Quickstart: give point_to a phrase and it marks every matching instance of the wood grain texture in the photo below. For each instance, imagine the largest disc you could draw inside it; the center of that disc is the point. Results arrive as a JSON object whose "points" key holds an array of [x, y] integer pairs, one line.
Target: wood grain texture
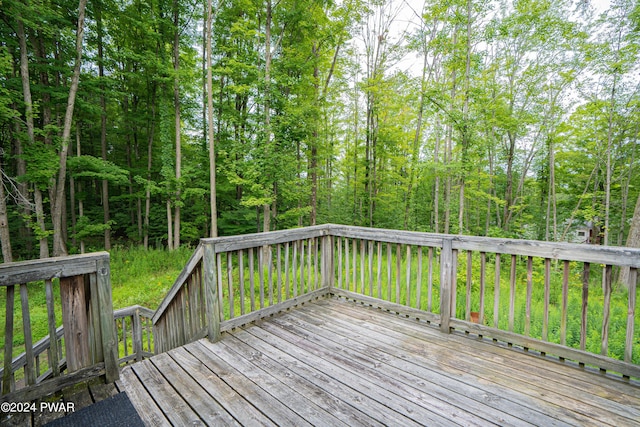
{"points": [[339, 362], [14, 273]]}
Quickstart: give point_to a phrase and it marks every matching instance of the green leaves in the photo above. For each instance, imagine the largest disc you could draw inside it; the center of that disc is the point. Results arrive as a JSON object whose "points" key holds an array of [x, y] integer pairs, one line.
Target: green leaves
{"points": [[94, 168]]}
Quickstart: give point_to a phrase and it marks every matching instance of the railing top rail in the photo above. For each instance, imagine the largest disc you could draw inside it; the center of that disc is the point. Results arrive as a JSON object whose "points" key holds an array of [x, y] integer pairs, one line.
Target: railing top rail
{"points": [[14, 273], [614, 255], [388, 235], [245, 241], [196, 257], [131, 310]]}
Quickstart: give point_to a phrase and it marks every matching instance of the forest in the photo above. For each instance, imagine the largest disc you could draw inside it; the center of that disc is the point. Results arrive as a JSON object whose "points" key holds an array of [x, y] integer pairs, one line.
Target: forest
{"points": [[157, 122]]}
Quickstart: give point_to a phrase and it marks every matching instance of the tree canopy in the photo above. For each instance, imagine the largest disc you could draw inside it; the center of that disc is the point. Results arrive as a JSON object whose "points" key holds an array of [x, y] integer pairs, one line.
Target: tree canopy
{"points": [[510, 118]]}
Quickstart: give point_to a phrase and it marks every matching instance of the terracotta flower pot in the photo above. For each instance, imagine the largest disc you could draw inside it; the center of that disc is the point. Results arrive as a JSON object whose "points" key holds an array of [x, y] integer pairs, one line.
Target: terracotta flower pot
{"points": [[475, 317]]}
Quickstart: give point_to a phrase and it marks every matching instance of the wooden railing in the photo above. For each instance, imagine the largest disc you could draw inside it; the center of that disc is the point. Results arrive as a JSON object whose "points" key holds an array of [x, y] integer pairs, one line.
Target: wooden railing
{"points": [[181, 317], [82, 347], [552, 299], [134, 333], [231, 281]]}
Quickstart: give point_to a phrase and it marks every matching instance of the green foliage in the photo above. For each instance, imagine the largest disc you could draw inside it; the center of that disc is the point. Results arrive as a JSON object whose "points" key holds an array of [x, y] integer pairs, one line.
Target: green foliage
{"points": [[94, 168]]}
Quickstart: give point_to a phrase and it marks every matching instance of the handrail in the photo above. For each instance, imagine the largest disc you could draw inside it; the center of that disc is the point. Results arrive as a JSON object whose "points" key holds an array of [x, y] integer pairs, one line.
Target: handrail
{"points": [[87, 325], [186, 272]]}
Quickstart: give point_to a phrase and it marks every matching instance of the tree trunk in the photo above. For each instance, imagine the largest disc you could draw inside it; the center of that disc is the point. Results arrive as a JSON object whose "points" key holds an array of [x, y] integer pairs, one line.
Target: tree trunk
{"points": [[59, 245], [212, 153], [436, 184], [266, 208], [103, 126], [28, 103], [169, 227], [551, 202], [5, 237], [176, 103], [508, 193], [313, 161], [147, 197]]}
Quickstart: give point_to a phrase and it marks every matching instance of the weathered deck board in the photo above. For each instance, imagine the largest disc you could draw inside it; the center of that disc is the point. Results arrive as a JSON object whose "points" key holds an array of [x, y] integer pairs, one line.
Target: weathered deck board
{"points": [[502, 373], [335, 362], [618, 391]]}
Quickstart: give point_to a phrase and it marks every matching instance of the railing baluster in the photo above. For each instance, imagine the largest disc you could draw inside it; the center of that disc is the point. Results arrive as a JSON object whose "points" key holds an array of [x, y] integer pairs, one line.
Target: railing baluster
{"points": [[363, 255], [606, 308], [339, 243], [279, 270], [370, 258], [294, 270], [547, 290], [347, 262], [419, 280], [398, 269], [30, 372], [585, 302], [261, 262], [565, 303], [309, 269], [483, 270], [252, 281], [454, 282], [302, 261], [7, 376], [512, 292], [631, 313], [379, 272], [286, 271], [136, 332], [468, 282], [430, 282], [124, 336], [230, 284], [316, 284], [496, 293], [527, 323], [51, 321], [270, 273], [389, 272], [355, 265], [241, 280], [219, 284], [447, 278], [408, 278]]}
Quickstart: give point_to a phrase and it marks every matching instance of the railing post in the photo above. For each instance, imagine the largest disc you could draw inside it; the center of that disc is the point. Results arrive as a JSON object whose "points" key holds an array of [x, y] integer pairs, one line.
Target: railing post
{"points": [[75, 322], [136, 329], [211, 292], [107, 327], [446, 284]]}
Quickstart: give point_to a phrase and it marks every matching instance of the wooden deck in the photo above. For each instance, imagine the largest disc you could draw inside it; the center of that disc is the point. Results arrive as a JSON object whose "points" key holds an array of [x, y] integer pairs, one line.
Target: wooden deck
{"points": [[335, 362]]}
